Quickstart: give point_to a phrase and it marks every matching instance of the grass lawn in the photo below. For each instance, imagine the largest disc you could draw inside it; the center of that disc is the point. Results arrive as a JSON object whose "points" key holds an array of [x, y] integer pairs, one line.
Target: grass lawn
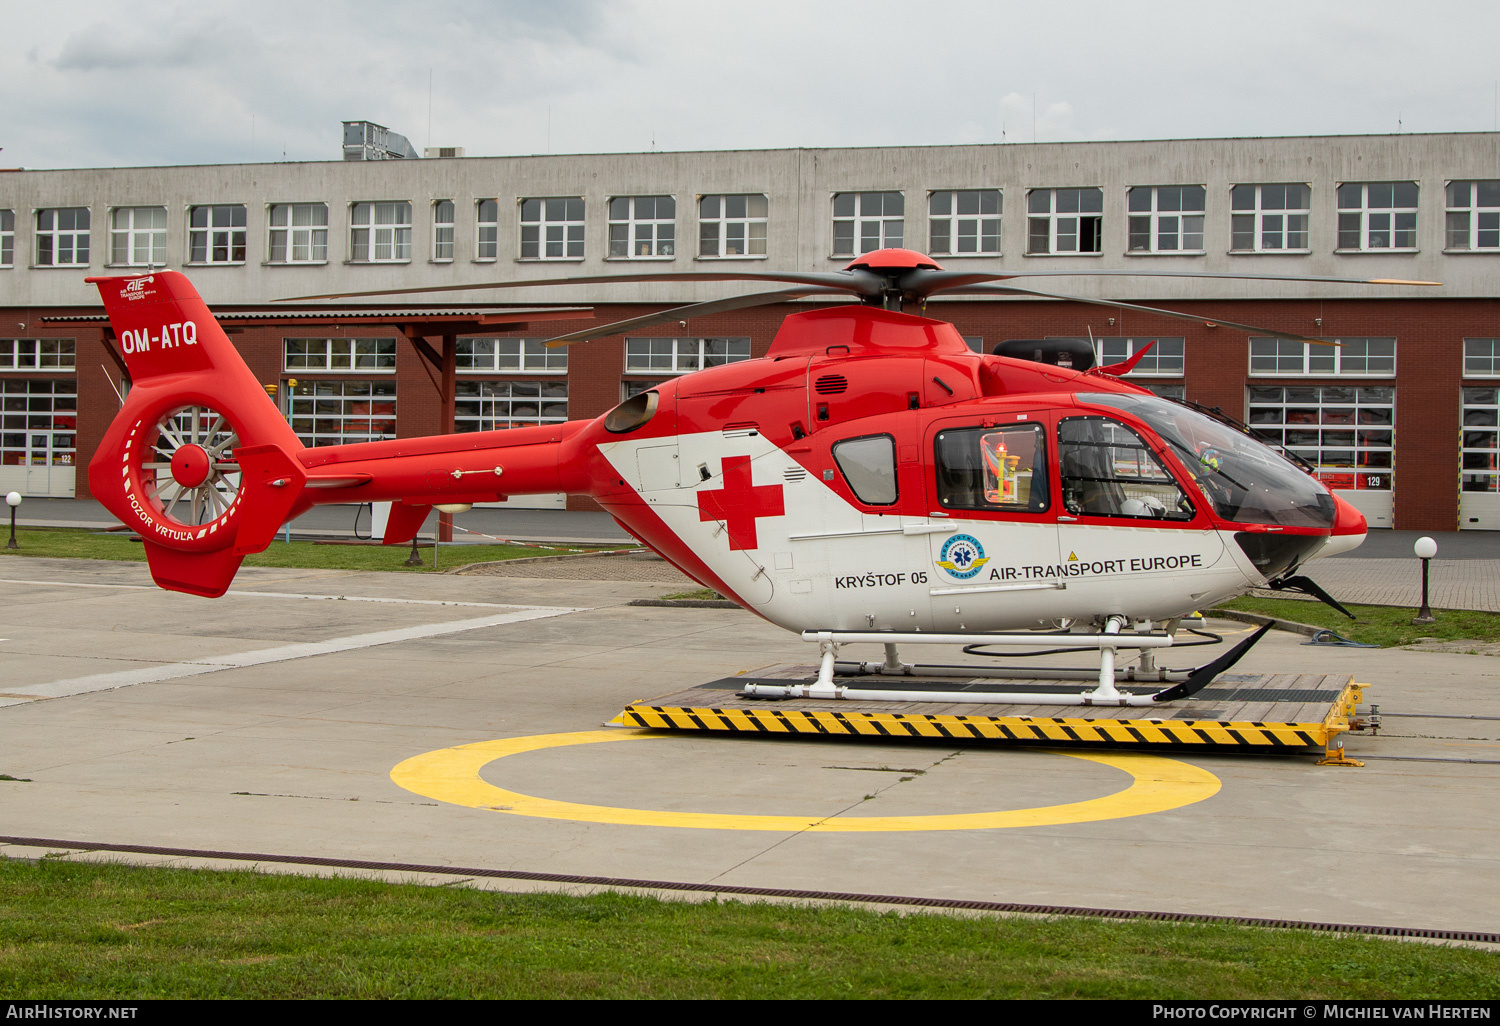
{"points": [[84, 544], [1386, 626], [82, 930], [696, 594]]}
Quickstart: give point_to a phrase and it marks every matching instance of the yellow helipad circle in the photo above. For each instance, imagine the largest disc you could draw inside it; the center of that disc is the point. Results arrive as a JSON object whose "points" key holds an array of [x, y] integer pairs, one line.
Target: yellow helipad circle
{"points": [[452, 775]]}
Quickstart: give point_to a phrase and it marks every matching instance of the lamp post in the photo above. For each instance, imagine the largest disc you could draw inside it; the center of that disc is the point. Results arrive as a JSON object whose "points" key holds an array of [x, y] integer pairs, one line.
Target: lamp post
{"points": [[415, 559], [12, 499], [1425, 548]]}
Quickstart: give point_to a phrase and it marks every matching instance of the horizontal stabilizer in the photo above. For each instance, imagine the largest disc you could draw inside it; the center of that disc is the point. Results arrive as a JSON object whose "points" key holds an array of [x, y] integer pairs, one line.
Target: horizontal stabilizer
{"points": [[272, 481], [198, 573]]}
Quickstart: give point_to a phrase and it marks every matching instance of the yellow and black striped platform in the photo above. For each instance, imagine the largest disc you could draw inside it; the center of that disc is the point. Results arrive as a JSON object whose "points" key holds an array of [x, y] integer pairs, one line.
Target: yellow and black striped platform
{"points": [[1267, 712]]}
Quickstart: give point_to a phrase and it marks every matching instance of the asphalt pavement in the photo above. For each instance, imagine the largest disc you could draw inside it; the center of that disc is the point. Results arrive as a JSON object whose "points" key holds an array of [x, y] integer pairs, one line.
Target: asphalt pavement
{"points": [[389, 722]]}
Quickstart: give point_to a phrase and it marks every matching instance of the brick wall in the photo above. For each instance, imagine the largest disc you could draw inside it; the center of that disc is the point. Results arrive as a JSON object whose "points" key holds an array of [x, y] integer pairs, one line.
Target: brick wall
{"points": [[1429, 355]]}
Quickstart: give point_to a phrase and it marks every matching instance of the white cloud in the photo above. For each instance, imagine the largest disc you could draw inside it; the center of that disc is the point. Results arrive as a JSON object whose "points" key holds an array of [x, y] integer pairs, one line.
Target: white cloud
{"points": [[91, 83]]}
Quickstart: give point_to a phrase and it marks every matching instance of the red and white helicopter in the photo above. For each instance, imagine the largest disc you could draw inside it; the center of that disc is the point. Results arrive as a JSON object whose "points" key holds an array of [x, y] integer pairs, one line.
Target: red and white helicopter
{"points": [[869, 480]]}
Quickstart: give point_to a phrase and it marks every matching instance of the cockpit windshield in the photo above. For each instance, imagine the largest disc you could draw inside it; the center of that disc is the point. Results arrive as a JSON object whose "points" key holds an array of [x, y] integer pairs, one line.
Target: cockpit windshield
{"points": [[1247, 481]]}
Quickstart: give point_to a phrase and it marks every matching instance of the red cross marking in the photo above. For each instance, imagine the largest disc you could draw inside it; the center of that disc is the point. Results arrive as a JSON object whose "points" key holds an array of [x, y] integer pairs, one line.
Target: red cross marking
{"points": [[739, 503]]}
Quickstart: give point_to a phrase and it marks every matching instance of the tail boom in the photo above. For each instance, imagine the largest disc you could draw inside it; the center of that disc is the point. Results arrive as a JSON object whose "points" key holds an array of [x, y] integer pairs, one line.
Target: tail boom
{"points": [[205, 468]]}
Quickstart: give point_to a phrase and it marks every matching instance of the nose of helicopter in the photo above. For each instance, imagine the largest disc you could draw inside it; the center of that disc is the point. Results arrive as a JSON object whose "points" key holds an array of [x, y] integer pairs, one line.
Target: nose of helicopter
{"points": [[1349, 529]]}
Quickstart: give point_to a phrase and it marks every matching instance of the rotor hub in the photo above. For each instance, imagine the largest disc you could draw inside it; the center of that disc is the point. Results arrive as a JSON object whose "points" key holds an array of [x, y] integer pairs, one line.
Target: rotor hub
{"points": [[190, 465]]}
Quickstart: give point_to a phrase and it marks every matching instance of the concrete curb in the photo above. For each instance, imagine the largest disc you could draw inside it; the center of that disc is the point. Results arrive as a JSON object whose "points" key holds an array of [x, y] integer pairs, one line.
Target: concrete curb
{"points": [[686, 603], [1256, 618], [542, 559]]}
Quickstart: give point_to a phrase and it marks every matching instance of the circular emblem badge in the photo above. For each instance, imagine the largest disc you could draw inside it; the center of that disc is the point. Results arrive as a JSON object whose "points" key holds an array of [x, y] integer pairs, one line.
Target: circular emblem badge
{"points": [[962, 556]]}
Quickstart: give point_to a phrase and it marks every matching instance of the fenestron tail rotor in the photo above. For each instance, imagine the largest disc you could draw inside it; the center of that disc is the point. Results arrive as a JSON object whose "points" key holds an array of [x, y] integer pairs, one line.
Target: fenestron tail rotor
{"points": [[189, 472]]}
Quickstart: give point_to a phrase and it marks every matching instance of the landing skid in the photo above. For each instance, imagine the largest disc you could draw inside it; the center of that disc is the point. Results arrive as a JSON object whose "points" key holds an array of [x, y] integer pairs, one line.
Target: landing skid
{"points": [[1183, 683]]}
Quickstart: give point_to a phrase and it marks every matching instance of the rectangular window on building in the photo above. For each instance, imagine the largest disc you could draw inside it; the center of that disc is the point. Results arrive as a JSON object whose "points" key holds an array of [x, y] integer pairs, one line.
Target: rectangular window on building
{"points": [[496, 405], [630, 388], [1473, 216], [1163, 359], [138, 237], [642, 227], [509, 355], [25, 354], [867, 221], [1346, 433], [487, 229], [328, 411], [299, 233], [963, 222], [380, 233], [1481, 440], [1166, 391], [1064, 221], [442, 231], [216, 234], [1166, 218], [7, 238], [38, 421], [1357, 357], [732, 226], [1481, 357], [368, 355], [682, 355], [552, 229], [1269, 218], [1377, 216], [62, 237]]}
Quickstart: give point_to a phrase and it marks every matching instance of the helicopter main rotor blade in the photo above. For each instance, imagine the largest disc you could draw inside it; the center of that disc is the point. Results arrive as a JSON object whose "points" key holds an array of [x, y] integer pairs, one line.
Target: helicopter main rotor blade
{"points": [[924, 282], [858, 281], [691, 310], [1253, 329]]}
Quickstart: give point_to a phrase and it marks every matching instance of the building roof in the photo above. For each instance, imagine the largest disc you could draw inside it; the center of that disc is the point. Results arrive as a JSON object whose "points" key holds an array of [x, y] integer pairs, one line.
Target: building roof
{"points": [[456, 321]]}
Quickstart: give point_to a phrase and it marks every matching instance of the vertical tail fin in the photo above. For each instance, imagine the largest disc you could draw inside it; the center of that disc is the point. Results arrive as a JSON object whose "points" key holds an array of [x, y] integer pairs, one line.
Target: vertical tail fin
{"points": [[199, 462]]}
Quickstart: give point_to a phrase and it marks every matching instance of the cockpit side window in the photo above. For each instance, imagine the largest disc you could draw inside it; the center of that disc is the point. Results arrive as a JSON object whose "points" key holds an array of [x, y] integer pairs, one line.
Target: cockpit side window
{"points": [[1108, 470], [1245, 481], [1001, 468], [869, 466]]}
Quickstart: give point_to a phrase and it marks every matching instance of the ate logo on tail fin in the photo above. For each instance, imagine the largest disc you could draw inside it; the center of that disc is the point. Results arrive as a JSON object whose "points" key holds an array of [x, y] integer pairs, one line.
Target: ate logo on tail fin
{"points": [[136, 288]]}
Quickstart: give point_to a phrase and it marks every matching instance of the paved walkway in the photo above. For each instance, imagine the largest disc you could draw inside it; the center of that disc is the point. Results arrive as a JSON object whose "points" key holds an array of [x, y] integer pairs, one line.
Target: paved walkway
{"points": [[1452, 583]]}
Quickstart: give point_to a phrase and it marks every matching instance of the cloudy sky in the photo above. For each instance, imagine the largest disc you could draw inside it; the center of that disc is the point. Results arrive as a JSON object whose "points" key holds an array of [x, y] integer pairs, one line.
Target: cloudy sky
{"points": [[96, 84]]}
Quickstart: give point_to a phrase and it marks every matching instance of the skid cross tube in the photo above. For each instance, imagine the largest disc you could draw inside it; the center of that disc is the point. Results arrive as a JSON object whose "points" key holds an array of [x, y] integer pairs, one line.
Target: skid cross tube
{"points": [[830, 641], [1104, 694], [1131, 674]]}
